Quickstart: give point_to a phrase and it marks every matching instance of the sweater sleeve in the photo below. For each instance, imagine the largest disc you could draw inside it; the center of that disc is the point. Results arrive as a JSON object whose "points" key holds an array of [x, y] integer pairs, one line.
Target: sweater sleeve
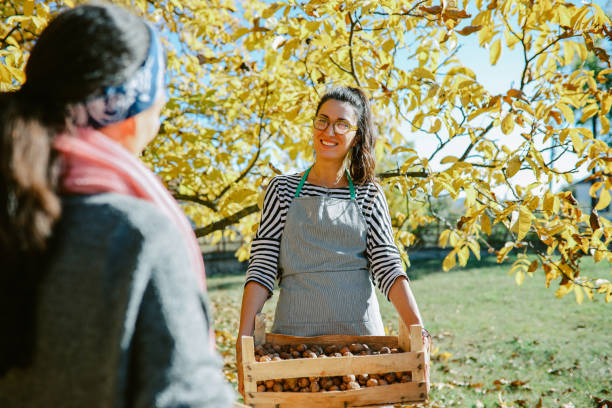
{"points": [[171, 361], [265, 248], [386, 264]]}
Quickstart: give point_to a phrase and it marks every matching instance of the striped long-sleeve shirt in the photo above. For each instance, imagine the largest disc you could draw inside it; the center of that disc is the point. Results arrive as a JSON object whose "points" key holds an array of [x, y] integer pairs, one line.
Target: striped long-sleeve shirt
{"points": [[384, 260]]}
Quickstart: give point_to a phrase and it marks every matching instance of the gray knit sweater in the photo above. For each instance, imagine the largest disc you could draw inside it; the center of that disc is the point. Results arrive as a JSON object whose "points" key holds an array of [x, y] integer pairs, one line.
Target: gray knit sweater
{"points": [[120, 319]]}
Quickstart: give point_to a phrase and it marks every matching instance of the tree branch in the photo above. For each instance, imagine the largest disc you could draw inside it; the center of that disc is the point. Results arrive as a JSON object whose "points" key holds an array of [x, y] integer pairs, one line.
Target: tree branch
{"points": [[11, 31], [254, 160], [406, 13], [353, 73], [397, 173], [227, 221], [340, 67], [195, 199]]}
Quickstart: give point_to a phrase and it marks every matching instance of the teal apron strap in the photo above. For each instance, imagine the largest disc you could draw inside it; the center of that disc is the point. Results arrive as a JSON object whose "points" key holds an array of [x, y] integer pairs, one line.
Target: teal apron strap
{"points": [[302, 181], [351, 186], [305, 176]]}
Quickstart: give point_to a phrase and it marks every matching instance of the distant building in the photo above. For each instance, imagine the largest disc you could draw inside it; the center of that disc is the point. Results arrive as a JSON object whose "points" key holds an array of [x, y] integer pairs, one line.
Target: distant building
{"points": [[580, 190]]}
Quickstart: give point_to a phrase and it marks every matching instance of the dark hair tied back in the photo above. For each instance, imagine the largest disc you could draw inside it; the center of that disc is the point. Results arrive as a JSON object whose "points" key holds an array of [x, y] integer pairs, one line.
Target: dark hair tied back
{"points": [[83, 50], [362, 157]]}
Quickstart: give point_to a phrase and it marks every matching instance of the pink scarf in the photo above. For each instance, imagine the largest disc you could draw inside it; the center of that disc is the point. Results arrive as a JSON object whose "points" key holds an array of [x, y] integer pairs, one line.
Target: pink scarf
{"points": [[94, 163]]}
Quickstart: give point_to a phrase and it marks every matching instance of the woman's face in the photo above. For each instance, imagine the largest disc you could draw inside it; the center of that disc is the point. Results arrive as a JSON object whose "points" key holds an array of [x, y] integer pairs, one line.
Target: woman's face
{"points": [[327, 144]]}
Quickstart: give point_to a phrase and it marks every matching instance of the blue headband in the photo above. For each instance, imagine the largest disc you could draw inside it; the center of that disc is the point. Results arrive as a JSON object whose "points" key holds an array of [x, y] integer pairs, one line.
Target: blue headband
{"points": [[137, 94]]}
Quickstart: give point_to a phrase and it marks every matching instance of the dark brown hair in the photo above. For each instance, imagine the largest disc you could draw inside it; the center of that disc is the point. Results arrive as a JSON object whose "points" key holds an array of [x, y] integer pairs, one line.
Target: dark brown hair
{"points": [[82, 51], [362, 157]]}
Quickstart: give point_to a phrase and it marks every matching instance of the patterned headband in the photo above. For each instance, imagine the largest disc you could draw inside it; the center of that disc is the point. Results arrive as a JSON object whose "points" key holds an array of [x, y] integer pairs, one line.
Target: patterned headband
{"points": [[137, 94]]}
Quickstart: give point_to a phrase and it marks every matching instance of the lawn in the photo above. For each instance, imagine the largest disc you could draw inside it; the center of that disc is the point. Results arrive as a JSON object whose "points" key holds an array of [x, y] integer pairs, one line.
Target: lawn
{"points": [[497, 344]]}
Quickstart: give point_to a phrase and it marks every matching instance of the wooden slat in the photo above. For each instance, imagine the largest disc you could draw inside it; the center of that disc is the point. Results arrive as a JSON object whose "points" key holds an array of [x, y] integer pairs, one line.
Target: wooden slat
{"points": [[376, 341], [404, 336], [416, 344], [248, 357], [324, 367], [259, 335], [386, 394]]}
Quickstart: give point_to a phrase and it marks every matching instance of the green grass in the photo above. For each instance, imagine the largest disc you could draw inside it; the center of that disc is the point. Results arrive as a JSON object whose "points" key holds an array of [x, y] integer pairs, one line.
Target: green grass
{"points": [[498, 344]]}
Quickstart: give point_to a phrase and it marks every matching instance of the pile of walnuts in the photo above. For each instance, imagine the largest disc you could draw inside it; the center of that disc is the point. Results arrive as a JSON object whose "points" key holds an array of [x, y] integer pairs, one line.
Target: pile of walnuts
{"points": [[275, 352]]}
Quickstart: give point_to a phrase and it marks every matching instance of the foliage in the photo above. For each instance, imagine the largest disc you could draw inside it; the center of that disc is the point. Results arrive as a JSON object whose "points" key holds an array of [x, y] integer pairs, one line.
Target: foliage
{"points": [[244, 78]]}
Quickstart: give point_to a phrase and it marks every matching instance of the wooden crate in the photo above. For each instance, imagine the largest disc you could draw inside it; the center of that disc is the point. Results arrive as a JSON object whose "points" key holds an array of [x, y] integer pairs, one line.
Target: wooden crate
{"points": [[414, 358]]}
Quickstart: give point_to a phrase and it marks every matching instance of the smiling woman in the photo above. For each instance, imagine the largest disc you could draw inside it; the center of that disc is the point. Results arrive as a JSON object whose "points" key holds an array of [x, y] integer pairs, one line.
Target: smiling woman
{"points": [[325, 235]]}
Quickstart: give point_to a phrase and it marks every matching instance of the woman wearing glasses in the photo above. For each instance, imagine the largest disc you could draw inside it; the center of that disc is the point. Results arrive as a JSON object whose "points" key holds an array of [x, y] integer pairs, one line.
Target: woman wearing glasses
{"points": [[326, 235]]}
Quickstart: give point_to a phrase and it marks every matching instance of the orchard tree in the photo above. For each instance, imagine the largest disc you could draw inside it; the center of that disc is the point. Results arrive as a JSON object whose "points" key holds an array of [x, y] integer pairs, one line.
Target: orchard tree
{"points": [[244, 78]]}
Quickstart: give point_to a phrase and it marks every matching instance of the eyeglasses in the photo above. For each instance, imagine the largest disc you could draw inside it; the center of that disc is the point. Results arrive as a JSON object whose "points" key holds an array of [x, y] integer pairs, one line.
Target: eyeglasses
{"points": [[340, 126]]}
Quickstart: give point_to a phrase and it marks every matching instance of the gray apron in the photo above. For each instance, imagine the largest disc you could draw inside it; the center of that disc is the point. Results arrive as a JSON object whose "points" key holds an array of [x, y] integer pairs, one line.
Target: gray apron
{"points": [[325, 285]]}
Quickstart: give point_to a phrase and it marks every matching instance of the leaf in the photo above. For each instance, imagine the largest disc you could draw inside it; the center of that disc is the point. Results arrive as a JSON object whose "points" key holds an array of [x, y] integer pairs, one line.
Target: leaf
{"points": [[507, 124], [604, 199], [431, 10], [515, 93], [467, 30], [470, 196], [495, 51], [605, 125], [567, 112], [589, 111], [269, 12], [455, 14], [435, 127], [443, 239], [449, 261], [388, 45], [519, 277], [524, 222], [503, 252], [423, 73], [463, 254], [514, 165], [511, 39], [485, 224], [594, 220], [577, 142], [579, 294], [28, 7], [564, 289], [449, 159]]}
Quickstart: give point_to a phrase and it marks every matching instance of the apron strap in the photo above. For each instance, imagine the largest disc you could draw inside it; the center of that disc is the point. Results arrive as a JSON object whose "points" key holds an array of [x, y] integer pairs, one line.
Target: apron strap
{"points": [[302, 181], [305, 176], [351, 186]]}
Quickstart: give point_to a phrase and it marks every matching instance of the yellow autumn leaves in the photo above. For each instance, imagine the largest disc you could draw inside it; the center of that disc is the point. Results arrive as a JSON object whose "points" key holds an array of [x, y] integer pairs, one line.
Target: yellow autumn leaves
{"points": [[246, 76]]}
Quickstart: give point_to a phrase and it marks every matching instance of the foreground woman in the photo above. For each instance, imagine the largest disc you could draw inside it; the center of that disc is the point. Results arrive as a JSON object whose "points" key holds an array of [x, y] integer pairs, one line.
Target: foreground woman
{"points": [[101, 284]]}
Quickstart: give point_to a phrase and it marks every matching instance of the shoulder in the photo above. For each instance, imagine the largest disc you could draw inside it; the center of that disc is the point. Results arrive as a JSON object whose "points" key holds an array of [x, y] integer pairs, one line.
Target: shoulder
{"points": [[370, 190], [127, 220], [283, 184], [284, 179]]}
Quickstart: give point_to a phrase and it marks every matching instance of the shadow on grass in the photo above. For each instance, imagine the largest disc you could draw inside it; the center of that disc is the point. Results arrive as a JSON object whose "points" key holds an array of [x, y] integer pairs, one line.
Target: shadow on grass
{"points": [[234, 278], [231, 281]]}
